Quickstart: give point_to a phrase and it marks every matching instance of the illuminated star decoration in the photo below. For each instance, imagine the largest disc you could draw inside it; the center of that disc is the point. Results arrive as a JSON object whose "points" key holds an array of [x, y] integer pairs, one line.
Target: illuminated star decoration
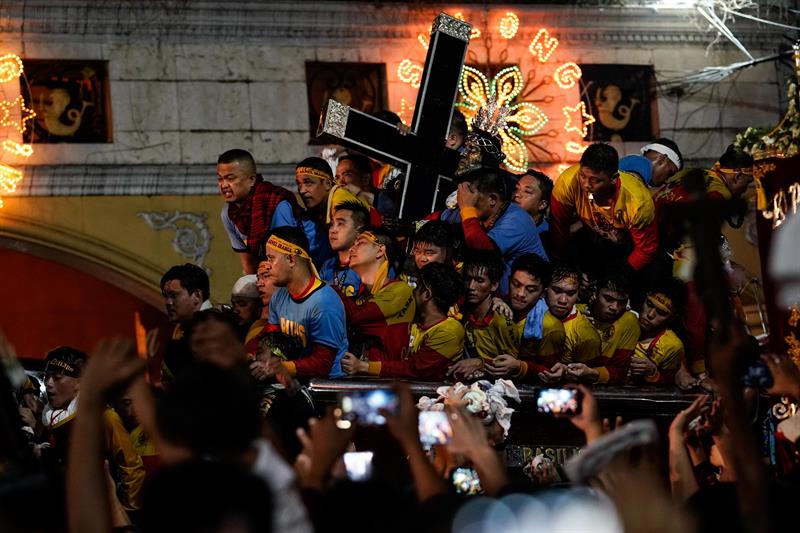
{"points": [[581, 125], [9, 119], [13, 114], [524, 118]]}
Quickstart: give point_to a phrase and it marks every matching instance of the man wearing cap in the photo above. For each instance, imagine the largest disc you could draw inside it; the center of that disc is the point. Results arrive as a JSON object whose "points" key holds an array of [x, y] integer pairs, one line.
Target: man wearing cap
{"points": [[253, 206], [62, 373], [614, 207], [379, 318], [659, 352], [320, 196], [246, 302], [304, 307], [666, 160]]}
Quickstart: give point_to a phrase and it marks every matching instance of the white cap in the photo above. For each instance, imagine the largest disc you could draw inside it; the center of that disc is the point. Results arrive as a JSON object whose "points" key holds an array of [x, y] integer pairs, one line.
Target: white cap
{"points": [[784, 259], [245, 287]]}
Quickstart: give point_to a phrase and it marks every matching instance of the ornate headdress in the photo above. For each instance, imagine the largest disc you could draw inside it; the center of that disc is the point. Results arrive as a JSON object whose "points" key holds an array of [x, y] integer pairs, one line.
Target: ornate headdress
{"points": [[482, 147]]}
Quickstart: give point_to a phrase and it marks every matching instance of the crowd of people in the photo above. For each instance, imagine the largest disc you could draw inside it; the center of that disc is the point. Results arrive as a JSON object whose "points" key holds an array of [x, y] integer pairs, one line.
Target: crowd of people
{"points": [[574, 282]]}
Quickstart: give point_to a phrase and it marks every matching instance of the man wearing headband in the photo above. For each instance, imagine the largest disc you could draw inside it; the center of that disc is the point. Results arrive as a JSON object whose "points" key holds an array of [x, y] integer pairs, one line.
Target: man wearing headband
{"points": [[320, 196], [659, 351], [491, 221], [666, 159], [436, 340], [541, 334], [253, 206], [260, 327], [379, 318], [348, 219], [62, 376], [615, 208], [582, 342], [618, 329], [303, 306]]}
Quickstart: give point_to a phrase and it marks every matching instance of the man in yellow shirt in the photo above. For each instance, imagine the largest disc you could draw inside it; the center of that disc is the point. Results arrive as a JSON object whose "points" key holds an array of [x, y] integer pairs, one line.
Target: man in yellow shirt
{"points": [[582, 341], [489, 333], [436, 341], [659, 352], [618, 329], [542, 334], [614, 207]]}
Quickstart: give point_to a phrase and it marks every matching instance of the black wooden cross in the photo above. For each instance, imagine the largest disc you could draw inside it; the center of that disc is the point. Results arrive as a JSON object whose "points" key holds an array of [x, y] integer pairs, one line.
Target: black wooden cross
{"points": [[428, 166]]}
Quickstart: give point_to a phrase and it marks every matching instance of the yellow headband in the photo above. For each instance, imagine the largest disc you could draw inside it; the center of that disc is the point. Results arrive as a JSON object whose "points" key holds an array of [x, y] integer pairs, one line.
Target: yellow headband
{"points": [[383, 270], [315, 172], [742, 170], [662, 301], [287, 248]]}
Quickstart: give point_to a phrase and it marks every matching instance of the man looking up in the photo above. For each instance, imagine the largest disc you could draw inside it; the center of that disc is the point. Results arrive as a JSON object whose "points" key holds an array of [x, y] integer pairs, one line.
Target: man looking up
{"points": [[491, 222], [582, 342], [437, 340], [380, 317], [541, 334], [659, 351], [304, 307], [320, 196], [185, 289], [615, 208], [348, 219], [618, 329], [253, 206], [458, 131], [488, 333]]}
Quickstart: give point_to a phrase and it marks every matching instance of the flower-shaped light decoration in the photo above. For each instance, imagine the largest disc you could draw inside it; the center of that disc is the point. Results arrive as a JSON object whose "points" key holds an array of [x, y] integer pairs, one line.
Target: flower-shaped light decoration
{"points": [[540, 128], [523, 119]]}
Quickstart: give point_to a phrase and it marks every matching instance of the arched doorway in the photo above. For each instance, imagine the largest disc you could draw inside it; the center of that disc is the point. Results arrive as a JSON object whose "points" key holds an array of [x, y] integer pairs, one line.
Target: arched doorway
{"points": [[54, 298]]}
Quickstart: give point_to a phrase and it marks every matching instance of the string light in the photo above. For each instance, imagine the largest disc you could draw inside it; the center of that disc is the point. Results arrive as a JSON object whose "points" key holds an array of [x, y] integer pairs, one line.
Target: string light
{"points": [[9, 177], [410, 72], [581, 126], [6, 118], [575, 147], [567, 75], [10, 67], [475, 33], [405, 107], [507, 84], [509, 25], [424, 40], [527, 119], [25, 150], [542, 46]]}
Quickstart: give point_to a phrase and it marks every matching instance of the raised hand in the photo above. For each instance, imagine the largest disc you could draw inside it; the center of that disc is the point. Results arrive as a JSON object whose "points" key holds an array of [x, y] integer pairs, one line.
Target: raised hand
{"points": [[112, 366]]}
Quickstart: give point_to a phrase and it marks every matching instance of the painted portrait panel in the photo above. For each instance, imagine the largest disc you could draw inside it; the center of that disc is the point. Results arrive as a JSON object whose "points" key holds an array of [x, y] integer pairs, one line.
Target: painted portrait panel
{"points": [[70, 99], [622, 100]]}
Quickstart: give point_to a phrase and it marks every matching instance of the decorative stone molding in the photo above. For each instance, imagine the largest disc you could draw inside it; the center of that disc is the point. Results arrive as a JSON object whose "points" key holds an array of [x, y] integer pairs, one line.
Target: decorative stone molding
{"points": [[132, 180], [192, 238], [340, 23]]}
